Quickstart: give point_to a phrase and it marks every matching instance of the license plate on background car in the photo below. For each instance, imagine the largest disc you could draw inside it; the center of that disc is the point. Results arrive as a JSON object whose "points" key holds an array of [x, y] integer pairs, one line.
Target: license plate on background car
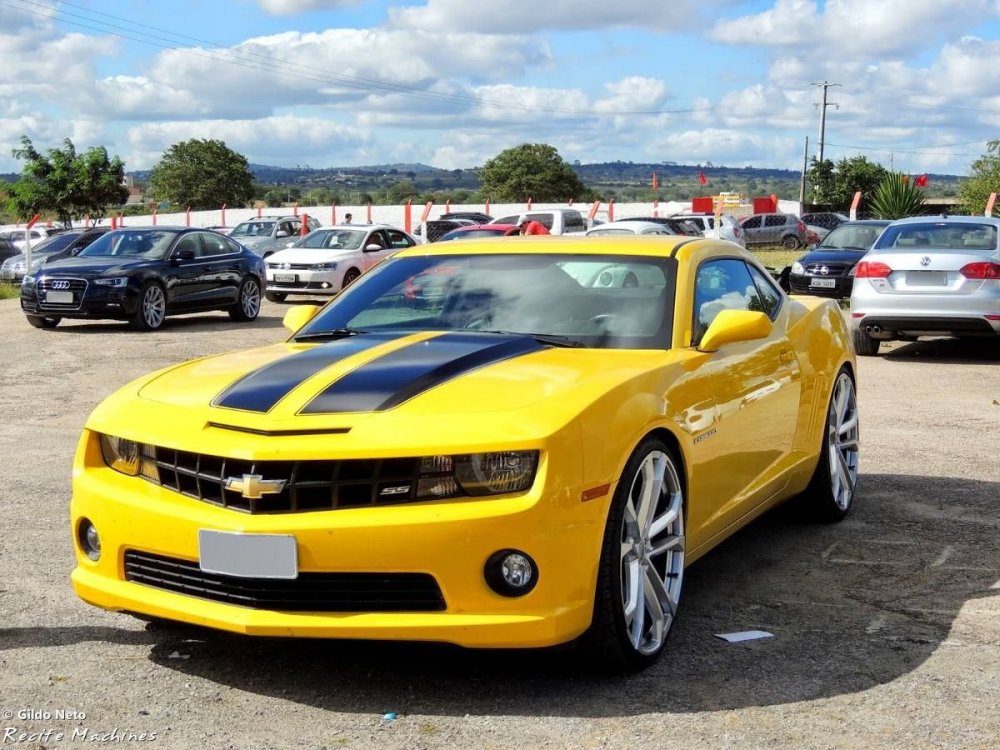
{"points": [[823, 283], [248, 555], [59, 298], [285, 278]]}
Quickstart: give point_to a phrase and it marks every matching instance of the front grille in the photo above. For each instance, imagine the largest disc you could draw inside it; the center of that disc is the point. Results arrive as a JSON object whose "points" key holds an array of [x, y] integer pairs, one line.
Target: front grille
{"points": [[832, 269], [308, 485], [310, 592], [76, 287]]}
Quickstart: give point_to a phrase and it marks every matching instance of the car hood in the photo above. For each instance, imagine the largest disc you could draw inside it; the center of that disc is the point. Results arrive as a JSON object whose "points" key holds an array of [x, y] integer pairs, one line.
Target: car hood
{"points": [[387, 392], [310, 255], [95, 266], [833, 255]]}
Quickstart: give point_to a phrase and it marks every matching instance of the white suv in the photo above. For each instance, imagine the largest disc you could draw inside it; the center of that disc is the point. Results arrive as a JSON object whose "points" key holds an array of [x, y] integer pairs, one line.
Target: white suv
{"points": [[727, 228]]}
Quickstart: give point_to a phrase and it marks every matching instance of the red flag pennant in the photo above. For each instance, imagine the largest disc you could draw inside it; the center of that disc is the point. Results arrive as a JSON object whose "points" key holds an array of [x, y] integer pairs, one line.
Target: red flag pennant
{"points": [[920, 181], [702, 179], [656, 184]]}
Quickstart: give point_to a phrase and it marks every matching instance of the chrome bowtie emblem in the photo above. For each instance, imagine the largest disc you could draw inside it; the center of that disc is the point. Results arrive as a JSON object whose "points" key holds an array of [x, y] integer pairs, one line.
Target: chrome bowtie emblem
{"points": [[60, 285], [925, 261], [824, 270], [254, 486]]}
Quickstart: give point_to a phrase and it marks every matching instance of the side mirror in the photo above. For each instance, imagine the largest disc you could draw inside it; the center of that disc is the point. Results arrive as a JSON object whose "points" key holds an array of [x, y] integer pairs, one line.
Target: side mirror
{"points": [[290, 244], [282, 233], [734, 326], [373, 248], [183, 254], [296, 317]]}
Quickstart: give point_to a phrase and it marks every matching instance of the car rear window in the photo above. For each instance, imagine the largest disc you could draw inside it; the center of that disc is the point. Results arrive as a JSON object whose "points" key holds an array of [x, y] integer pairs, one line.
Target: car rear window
{"points": [[941, 235]]}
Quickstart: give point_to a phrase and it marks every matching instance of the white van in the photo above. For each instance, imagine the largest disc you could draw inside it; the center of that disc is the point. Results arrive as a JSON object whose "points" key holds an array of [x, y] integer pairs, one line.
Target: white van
{"points": [[556, 220]]}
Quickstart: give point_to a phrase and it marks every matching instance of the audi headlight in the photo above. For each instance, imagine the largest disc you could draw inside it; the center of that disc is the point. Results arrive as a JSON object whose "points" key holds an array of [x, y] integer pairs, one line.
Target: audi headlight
{"points": [[116, 282], [798, 269], [476, 474], [28, 280]]}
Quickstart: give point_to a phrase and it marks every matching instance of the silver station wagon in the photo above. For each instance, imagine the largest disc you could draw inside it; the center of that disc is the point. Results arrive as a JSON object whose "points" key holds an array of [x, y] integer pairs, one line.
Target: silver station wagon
{"points": [[928, 276]]}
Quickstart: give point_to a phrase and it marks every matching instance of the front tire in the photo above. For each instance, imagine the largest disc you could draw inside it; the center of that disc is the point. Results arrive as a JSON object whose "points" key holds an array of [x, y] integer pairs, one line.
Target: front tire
{"points": [[152, 309], [350, 277], [865, 345], [830, 494], [642, 563], [247, 306], [39, 321]]}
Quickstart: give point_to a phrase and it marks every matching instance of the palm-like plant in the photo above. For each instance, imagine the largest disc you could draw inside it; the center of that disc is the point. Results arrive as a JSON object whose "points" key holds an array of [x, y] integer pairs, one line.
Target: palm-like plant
{"points": [[897, 196]]}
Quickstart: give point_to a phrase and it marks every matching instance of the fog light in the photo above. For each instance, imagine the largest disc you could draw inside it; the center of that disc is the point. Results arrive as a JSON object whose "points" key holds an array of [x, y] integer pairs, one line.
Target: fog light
{"points": [[327, 285], [511, 572], [90, 540]]}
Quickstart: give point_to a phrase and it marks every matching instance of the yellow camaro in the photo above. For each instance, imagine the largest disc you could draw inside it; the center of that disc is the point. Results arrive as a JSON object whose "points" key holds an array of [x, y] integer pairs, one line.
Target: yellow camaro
{"points": [[501, 443]]}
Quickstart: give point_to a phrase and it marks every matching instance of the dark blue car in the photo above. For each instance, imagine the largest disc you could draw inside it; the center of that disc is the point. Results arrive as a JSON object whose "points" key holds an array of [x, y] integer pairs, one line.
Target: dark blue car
{"points": [[828, 269]]}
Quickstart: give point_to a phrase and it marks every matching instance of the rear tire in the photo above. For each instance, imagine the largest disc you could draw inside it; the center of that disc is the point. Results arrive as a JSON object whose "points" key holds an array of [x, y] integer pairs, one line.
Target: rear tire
{"points": [[865, 345], [247, 306], [642, 563], [830, 494], [275, 296], [791, 242], [39, 321]]}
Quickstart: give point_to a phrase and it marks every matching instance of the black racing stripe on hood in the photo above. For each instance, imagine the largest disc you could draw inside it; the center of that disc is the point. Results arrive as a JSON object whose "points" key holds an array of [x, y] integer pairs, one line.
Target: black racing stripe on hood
{"points": [[400, 375], [261, 389]]}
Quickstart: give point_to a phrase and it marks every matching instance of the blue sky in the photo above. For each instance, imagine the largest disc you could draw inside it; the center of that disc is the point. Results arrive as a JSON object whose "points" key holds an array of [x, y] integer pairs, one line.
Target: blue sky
{"points": [[452, 82]]}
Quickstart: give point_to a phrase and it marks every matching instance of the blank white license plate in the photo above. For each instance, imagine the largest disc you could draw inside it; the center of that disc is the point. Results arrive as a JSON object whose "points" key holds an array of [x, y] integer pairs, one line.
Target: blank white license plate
{"points": [[285, 278], [59, 298], [926, 278], [248, 555], [823, 283]]}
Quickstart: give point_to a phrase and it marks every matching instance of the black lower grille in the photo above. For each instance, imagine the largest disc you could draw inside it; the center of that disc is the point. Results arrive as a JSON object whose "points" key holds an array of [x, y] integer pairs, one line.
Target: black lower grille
{"points": [[310, 592]]}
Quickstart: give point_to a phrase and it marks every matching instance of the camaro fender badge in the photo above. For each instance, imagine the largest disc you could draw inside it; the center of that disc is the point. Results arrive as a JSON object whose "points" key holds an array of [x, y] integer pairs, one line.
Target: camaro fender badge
{"points": [[254, 486], [706, 435], [403, 489]]}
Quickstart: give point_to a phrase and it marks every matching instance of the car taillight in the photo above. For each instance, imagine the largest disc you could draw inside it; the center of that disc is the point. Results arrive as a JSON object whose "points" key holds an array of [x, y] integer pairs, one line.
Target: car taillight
{"points": [[871, 270], [981, 270], [802, 227]]}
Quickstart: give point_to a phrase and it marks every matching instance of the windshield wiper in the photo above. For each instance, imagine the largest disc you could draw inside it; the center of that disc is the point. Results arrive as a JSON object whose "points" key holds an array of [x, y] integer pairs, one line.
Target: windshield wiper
{"points": [[543, 338], [333, 333]]}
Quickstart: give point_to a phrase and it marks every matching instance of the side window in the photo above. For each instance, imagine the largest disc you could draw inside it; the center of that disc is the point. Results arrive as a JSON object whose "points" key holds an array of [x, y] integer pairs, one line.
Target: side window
{"points": [[544, 219], [752, 223], [573, 222], [769, 295], [723, 284], [215, 244], [188, 242], [774, 221], [398, 240], [375, 238]]}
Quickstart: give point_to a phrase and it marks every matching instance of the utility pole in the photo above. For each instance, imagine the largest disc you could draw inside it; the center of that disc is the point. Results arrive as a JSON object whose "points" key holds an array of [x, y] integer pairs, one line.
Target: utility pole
{"points": [[822, 114], [805, 166]]}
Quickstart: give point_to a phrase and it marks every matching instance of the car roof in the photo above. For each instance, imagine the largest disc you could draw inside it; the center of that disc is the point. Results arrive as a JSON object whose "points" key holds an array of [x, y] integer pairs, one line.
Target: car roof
{"points": [[660, 245], [474, 227], [948, 219], [631, 224], [358, 226]]}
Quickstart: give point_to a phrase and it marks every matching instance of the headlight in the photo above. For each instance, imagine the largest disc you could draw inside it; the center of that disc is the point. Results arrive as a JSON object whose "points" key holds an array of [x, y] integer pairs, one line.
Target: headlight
{"points": [[28, 280], [323, 267], [129, 457], [798, 269], [116, 282], [477, 474]]}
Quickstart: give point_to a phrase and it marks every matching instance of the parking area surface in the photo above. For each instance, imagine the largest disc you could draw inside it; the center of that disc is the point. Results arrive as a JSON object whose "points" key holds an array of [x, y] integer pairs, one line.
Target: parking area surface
{"points": [[886, 626]]}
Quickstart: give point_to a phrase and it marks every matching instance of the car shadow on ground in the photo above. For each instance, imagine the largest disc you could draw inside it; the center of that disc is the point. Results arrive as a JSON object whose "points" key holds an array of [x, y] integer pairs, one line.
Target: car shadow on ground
{"points": [[851, 606], [193, 322], [948, 351]]}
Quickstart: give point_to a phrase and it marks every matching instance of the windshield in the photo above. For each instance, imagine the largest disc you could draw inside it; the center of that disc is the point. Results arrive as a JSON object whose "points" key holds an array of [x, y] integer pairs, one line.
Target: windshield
{"points": [[253, 229], [612, 302], [940, 235], [333, 239], [852, 236], [472, 234], [55, 243], [150, 244]]}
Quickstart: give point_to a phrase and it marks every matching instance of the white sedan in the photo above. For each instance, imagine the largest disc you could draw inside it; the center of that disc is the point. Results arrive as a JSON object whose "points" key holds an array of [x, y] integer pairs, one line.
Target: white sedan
{"points": [[328, 259], [629, 227]]}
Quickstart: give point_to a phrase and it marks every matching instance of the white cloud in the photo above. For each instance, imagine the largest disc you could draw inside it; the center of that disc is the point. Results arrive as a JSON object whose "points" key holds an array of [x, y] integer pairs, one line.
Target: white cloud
{"points": [[294, 7], [522, 16], [731, 147]]}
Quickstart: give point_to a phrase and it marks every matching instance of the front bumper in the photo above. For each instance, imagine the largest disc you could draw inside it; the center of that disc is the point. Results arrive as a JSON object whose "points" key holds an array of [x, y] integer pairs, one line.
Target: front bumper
{"points": [[448, 540], [304, 282], [95, 302]]}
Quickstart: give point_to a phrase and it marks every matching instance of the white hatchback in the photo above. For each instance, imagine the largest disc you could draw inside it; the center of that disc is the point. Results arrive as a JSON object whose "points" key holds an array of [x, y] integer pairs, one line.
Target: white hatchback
{"points": [[725, 228], [328, 259]]}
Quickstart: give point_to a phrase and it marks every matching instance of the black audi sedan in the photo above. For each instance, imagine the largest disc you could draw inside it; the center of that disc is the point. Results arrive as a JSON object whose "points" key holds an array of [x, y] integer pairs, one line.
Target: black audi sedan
{"points": [[828, 269], [143, 274]]}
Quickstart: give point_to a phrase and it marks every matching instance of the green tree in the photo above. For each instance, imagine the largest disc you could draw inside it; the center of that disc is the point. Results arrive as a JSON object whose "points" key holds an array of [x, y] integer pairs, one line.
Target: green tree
{"points": [[320, 196], [66, 183], [834, 185], [202, 174], [400, 191], [531, 170], [897, 197], [984, 178], [275, 197]]}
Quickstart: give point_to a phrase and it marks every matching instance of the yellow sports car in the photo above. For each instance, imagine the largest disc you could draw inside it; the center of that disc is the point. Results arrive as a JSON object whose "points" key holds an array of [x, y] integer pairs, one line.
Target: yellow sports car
{"points": [[516, 442]]}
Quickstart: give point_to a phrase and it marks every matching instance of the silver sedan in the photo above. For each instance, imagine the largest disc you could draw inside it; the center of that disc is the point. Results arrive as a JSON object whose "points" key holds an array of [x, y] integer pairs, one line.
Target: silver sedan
{"points": [[928, 276]]}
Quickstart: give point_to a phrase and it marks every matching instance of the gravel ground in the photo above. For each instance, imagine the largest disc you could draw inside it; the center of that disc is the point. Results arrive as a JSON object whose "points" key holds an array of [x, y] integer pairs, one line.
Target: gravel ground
{"points": [[887, 626]]}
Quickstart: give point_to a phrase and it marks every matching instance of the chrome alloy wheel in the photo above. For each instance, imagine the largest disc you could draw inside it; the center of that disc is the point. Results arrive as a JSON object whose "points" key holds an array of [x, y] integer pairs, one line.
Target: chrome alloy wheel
{"points": [[842, 441], [652, 552], [154, 306], [250, 300]]}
